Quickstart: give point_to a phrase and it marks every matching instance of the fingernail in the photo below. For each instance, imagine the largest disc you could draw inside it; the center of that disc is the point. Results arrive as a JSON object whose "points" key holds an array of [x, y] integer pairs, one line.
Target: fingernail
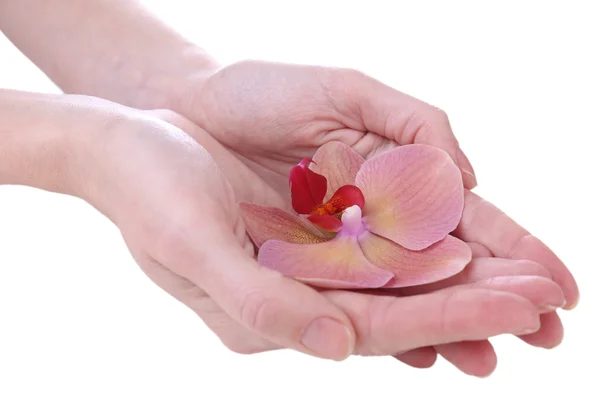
{"points": [[572, 306], [548, 308], [467, 169], [328, 338], [554, 345], [529, 330]]}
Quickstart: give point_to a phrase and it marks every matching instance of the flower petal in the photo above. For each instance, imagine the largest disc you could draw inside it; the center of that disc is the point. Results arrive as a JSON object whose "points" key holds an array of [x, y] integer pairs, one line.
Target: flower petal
{"points": [[338, 263], [437, 262], [265, 223], [307, 187], [414, 195], [339, 163]]}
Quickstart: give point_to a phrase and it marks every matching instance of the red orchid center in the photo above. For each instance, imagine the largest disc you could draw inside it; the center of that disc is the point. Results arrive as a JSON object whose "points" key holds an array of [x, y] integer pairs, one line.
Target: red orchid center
{"points": [[308, 191]]}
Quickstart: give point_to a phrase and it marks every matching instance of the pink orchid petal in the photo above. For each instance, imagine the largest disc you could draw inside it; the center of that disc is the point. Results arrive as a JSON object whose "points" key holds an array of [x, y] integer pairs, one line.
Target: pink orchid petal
{"points": [[437, 262], [414, 195], [307, 187], [339, 163], [338, 263], [265, 223]]}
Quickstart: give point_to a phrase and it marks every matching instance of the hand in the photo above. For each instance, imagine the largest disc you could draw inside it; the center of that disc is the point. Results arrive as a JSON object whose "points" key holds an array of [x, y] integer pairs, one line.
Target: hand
{"points": [[380, 323], [101, 76], [179, 217], [178, 214], [273, 115]]}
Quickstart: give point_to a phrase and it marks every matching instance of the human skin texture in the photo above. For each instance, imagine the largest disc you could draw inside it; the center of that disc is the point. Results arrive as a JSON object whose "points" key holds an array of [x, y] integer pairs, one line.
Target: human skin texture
{"points": [[117, 50], [189, 237]]}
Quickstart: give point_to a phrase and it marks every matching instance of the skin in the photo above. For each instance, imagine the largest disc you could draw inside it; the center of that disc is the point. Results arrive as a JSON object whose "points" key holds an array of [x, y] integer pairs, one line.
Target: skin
{"points": [[189, 238], [349, 118], [276, 114]]}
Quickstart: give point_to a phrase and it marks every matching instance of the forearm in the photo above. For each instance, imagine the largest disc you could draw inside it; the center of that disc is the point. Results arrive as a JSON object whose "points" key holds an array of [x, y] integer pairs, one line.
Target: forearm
{"points": [[38, 142], [114, 49]]}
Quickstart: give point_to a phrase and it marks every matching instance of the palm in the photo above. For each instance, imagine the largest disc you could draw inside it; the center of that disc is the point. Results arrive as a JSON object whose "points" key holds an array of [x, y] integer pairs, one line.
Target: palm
{"points": [[157, 225], [271, 116], [249, 186]]}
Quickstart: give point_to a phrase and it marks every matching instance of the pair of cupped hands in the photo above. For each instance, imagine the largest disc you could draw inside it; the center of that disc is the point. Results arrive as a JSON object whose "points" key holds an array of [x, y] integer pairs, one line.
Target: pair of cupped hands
{"points": [[172, 181]]}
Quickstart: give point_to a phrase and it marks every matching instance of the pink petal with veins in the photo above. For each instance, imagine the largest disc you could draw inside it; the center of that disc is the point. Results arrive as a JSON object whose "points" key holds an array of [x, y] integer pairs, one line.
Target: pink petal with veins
{"points": [[339, 163], [265, 223], [338, 263], [414, 195], [437, 262]]}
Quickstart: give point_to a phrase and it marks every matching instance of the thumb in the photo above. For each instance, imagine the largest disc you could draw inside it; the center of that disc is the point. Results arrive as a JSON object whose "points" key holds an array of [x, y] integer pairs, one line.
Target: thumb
{"points": [[279, 309], [397, 116]]}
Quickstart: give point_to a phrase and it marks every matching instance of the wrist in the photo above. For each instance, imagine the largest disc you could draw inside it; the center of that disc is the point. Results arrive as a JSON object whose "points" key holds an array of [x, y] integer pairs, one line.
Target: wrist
{"points": [[167, 84], [34, 147], [49, 141]]}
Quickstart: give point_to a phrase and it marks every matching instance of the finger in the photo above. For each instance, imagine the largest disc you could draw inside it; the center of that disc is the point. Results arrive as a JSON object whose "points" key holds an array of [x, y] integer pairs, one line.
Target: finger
{"points": [[550, 335], [378, 108], [476, 358], [234, 336], [387, 325], [483, 223], [538, 289], [542, 292], [277, 308], [419, 358], [479, 251], [480, 269]]}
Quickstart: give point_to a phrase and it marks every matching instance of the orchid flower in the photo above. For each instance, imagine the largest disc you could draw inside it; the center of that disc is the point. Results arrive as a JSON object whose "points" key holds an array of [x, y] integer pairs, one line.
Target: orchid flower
{"points": [[381, 222]]}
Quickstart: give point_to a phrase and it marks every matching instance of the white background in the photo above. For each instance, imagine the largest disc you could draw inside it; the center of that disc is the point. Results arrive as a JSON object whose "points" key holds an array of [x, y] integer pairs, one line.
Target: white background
{"points": [[520, 83]]}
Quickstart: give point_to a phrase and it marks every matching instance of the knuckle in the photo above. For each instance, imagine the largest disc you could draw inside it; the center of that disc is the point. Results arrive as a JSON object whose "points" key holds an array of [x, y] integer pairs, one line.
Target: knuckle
{"points": [[428, 123], [343, 79], [417, 125], [440, 115], [239, 343], [244, 344], [474, 207], [524, 238], [446, 318], [342, 88], [258, 311], [352, 73], [230, 335], [238, 346], [528, 267], [381, 315], [233, 336]]}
